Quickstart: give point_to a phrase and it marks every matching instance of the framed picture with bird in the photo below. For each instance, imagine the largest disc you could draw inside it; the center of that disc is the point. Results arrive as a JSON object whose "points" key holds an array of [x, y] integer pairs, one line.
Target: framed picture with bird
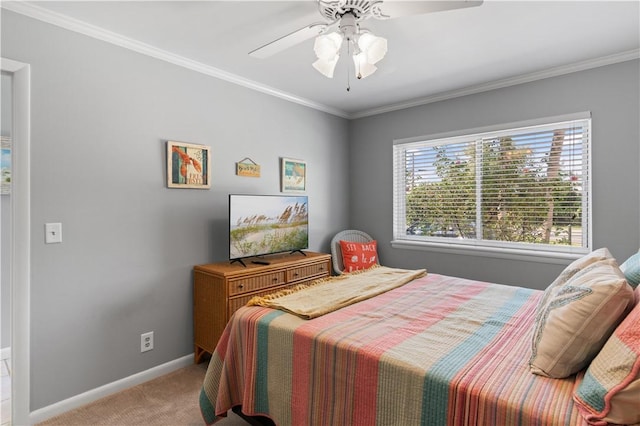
{"points": [[188, 165]]}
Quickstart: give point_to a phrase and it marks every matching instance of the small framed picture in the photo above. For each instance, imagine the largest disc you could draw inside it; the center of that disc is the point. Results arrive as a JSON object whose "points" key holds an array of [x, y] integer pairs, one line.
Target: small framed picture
{"points": [[5, 163], [188, 165], [294, 175]]}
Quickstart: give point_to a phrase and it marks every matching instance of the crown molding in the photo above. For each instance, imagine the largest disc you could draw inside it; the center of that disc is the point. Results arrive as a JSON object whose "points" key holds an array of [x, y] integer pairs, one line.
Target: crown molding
{"points": [[72, 24], [506, 82]]}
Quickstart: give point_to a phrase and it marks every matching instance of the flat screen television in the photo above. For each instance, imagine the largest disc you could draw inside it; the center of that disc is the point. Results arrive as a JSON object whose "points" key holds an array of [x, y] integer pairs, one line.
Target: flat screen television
{"points": [[266, 224]]}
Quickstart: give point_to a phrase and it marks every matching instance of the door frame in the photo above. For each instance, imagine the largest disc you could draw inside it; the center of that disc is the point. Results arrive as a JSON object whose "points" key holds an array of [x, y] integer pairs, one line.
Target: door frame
{"points": [[20, 240]]}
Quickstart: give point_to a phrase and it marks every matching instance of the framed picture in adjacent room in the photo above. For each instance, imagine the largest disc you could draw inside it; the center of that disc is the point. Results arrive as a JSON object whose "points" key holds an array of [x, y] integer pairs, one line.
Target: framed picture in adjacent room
{"points": [[5, 162], [188, 165], [294, 175]]}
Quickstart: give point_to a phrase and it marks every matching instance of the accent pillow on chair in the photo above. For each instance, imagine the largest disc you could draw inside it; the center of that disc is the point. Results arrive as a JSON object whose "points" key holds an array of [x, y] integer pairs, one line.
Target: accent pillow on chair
{"points": [[348, 235], [610, 389], [358, 256], [576, 317]]}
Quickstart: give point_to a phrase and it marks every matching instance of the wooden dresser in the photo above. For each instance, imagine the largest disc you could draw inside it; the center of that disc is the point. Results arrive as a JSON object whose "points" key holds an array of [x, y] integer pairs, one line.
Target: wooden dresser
{"points": [[219, 289]]}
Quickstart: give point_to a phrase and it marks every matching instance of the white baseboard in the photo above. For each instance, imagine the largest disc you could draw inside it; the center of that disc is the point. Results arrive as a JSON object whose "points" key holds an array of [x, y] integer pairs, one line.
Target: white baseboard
{"points": [[5, 353], [68, 404]]}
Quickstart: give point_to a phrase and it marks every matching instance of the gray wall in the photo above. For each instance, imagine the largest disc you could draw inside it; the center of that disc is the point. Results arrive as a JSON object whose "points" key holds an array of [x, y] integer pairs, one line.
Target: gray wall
{"points": [[100, 117], [5, 220], [611, 93]]}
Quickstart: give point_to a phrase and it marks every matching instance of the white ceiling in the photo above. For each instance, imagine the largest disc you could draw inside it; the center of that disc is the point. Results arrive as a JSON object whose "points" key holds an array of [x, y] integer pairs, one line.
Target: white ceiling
{"points": [[430, 56]]}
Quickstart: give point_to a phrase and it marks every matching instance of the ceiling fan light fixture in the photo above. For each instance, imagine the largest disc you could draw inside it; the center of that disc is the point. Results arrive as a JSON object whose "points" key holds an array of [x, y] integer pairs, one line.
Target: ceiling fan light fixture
{"points": [[326, 66], [367, 49]]}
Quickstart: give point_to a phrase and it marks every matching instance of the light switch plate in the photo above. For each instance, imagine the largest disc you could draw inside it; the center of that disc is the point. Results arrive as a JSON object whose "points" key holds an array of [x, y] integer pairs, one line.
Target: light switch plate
{"points": [[52, 233]]}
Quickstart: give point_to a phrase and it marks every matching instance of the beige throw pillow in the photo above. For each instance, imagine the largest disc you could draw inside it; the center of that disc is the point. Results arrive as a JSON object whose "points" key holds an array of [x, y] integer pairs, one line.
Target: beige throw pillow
{"points": [[572, 269], [577, 315]]}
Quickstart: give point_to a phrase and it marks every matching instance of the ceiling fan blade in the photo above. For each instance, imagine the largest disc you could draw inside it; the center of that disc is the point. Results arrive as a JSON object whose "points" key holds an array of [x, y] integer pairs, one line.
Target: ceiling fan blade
{"points": [[288, 41], [389, 9]]}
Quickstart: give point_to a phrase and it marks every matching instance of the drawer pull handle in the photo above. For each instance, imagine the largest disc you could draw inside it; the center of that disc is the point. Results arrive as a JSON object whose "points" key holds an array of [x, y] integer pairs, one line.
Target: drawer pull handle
{"points": [[275, 279], [241, 286], [296, 274]]}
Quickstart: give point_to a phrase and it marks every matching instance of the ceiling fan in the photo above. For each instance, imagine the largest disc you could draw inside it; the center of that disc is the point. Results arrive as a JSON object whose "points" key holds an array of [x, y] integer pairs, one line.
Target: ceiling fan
{"points": [[346, 16]]}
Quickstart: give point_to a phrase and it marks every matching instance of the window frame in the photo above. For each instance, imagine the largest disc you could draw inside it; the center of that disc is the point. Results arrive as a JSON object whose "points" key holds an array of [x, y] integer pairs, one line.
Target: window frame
{"points": [[489, 248]]}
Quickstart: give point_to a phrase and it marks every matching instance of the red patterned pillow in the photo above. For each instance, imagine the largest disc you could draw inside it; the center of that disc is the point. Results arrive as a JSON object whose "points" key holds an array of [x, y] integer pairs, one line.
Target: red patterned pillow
{"points": [[358, 256]]}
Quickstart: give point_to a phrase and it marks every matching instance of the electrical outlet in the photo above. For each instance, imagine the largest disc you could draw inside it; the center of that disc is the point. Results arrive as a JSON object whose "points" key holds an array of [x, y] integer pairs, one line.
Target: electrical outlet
{"points": [[146, 341]]}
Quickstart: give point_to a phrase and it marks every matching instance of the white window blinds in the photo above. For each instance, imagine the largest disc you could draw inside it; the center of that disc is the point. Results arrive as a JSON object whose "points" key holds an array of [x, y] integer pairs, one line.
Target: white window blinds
{"points": [[525, 188]]}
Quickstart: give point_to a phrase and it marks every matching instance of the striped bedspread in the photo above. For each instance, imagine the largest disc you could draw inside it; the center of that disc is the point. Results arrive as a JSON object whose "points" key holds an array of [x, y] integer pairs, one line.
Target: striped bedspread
{"points": [[437, 351]]}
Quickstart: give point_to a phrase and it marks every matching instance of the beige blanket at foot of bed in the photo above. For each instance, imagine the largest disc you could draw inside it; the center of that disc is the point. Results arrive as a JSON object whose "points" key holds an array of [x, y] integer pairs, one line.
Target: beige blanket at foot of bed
{"points": [[326, 295]]}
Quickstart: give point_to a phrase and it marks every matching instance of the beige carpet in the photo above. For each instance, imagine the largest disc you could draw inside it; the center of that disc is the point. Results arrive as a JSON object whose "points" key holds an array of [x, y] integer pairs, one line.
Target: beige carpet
{"points": [[170, 400]]}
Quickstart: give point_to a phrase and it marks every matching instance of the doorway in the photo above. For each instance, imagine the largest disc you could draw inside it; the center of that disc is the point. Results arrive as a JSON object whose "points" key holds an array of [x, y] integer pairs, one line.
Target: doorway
{"points": [[19, 238], [5, 247]]}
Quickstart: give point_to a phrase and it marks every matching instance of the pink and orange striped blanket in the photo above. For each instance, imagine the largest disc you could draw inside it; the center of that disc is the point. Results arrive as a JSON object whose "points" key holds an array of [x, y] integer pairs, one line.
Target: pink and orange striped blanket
{"points": [[437, 351]]}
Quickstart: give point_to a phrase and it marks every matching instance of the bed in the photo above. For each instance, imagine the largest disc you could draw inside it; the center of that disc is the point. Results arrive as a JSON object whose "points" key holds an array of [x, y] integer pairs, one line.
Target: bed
{"points": [[436, 350]]}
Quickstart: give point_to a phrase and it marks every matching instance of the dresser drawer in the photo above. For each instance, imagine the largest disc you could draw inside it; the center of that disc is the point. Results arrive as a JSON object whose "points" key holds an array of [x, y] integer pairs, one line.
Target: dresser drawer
{"points": [[307, 271], [257, 282], [236, 303]]}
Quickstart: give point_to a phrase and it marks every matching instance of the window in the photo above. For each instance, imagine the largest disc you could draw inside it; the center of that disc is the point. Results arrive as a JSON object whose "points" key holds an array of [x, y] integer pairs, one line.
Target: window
{"points": [[520, 189]]}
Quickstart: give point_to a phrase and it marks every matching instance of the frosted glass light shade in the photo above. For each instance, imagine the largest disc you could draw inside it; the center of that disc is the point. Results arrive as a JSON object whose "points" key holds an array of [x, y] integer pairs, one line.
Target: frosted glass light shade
{"points": [[374, 47], [327, 46], [326, 67], [363, 67]]}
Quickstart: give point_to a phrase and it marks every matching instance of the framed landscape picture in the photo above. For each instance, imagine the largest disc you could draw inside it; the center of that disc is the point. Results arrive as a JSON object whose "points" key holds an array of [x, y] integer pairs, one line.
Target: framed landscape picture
{"points": [[188, 165], [294, 175]]}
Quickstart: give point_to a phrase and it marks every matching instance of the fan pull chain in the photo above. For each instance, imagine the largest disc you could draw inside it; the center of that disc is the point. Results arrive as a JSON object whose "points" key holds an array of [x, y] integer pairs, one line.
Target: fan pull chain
{"points": [[348, 65]]}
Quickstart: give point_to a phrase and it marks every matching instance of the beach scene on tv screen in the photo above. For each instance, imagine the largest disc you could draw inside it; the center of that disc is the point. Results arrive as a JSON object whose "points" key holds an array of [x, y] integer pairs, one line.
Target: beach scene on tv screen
{"points": [[262, 225]]}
